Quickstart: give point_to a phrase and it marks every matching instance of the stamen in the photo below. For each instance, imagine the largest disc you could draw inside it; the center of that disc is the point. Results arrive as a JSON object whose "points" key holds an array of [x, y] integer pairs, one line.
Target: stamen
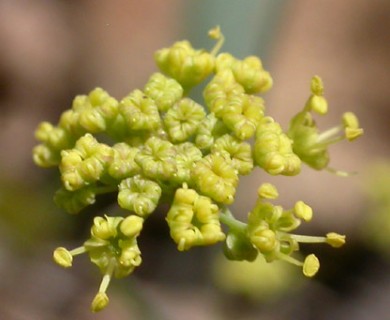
{"points": [[311, 266], [182, 244], [330, 136], [216, 34], [340, 173], [308, 239], [101, 299], [64, 258], [77, 251], [289, 259]]}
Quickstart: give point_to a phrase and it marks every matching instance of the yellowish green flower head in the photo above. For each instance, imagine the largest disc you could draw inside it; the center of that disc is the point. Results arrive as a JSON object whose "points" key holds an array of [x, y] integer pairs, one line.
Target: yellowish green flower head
{"points": [[159, 148]]}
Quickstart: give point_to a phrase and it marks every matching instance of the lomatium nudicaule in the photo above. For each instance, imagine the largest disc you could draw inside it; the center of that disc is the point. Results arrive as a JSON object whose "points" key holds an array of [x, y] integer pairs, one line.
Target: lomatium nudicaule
{"points": [[161, 146]]}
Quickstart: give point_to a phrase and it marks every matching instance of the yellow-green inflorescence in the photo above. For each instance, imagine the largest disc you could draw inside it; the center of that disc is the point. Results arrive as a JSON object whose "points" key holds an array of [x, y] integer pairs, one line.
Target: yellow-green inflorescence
{"points": [[159, 146]]}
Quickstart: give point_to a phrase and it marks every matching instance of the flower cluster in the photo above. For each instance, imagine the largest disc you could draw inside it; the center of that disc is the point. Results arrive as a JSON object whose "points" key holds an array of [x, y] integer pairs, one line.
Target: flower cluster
{"points": [[159, 146]]}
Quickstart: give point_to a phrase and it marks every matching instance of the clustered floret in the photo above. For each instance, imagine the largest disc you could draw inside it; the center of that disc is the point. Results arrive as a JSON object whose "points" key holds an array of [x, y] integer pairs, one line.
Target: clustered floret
{"points": [[161, 146]]}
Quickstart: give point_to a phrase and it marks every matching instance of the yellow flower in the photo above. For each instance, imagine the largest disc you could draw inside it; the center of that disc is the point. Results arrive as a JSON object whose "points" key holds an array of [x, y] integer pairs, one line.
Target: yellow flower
{"points": [[139, 195], [164, 91], [84, 164], [186, 65], [157, 159], [223, 94], [193, 220], [139, 111], [239, 152], [310, 145], [273, 150], [215, 177], [183, 119]]}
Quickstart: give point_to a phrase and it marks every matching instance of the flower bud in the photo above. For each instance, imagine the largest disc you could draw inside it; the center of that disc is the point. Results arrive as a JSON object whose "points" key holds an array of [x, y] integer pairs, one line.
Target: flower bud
{"points": [[265, 240], [105, 228], [164, 91], [139, 111], [239, 152], [193, 220], [251, 75], [223, 94], [130, 256], [273, 150], [187, 66], [139, 195], [209, 129], [131, 226], [183, 119], [187, 155], [215, 177], [123, 164], [157, 159], [244, 120]]}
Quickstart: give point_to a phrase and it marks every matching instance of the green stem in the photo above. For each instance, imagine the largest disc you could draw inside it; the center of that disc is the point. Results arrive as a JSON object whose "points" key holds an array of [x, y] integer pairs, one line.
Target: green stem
{"points": [[218, 45], [228, 219]]}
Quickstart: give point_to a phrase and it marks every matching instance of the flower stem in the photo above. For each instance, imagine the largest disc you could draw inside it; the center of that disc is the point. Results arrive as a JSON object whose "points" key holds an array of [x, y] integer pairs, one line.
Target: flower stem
{"points": [[227, 218]]}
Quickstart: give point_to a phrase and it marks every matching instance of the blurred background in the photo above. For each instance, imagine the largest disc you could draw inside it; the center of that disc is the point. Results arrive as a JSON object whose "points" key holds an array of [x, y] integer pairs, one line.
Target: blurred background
{"points": [[52, 50]]}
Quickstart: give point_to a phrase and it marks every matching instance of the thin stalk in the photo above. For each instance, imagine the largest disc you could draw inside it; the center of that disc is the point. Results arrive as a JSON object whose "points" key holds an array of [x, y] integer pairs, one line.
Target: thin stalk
{"points": [[228, 219]]}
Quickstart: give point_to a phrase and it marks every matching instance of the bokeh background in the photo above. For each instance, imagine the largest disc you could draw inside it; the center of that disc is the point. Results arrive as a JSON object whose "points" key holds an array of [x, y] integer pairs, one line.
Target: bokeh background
{"points": [[51, 50]]}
